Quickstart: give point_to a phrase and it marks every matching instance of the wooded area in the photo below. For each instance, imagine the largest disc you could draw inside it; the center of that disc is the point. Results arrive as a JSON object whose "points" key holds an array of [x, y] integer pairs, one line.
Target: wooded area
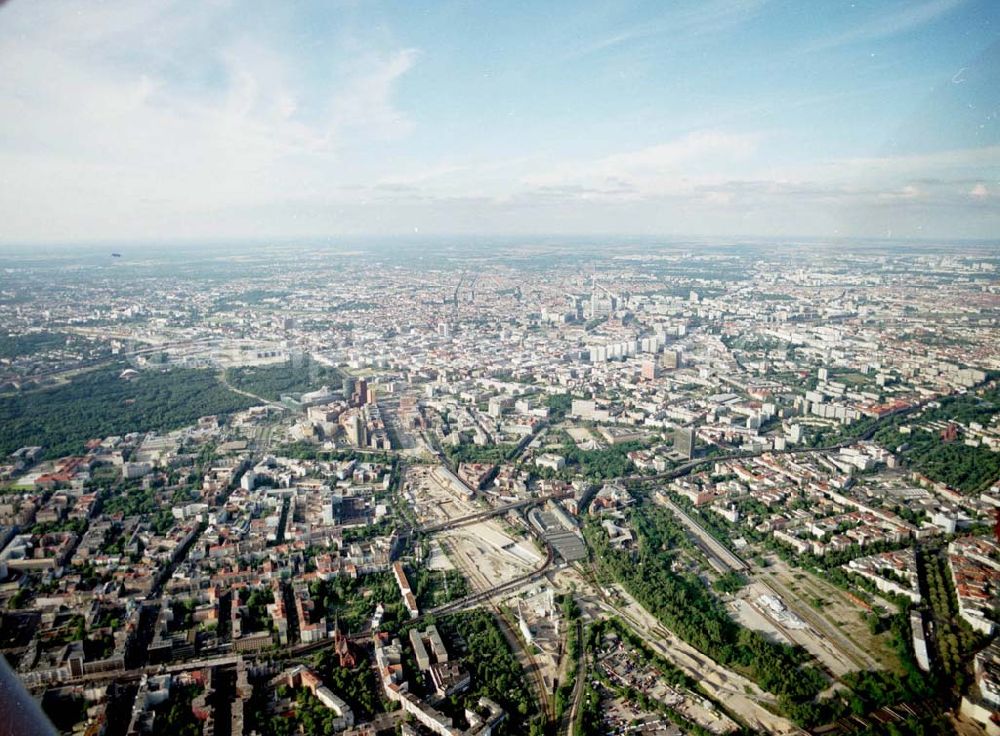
{"points": [[100, 403], [294, 376]]}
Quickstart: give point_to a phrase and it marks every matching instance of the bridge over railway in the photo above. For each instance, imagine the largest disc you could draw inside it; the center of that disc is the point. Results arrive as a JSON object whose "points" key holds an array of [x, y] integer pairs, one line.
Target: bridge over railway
{"points": [[485, 514]]}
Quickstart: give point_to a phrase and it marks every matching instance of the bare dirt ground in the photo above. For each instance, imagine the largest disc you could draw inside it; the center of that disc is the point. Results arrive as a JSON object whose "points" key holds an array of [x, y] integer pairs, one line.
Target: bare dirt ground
{"points": [[837, 618], [434, 495], [487, 555], [837, 654]]}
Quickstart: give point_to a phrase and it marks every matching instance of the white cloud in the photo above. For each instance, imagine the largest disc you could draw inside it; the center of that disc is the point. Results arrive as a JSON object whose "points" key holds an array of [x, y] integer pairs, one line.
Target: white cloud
{"points": [[679, 20], [946, 164], [907, 192], [655, 169], [123, 117], [164, 119], [366, 102], [903, 18]]}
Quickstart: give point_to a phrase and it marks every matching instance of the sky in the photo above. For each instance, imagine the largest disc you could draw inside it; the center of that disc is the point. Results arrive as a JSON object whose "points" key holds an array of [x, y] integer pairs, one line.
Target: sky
{"points": [[213, 120]]}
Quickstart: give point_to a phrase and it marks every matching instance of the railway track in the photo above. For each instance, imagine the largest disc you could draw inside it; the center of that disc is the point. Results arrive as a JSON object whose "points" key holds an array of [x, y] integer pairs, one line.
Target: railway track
{"points": [[579, 685], [528, 661], [482, 515]]}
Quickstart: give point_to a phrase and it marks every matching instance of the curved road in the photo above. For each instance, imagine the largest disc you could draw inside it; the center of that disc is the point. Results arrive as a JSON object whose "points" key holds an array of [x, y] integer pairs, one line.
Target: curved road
{"points": [[261, 399]]}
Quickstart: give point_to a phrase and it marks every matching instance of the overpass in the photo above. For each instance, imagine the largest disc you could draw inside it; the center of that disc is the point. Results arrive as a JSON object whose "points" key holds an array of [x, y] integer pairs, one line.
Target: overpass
{"points": [[480, 515]]}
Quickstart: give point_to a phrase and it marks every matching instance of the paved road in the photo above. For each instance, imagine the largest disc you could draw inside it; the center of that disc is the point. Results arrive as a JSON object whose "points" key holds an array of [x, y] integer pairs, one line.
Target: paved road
{"points": [[661, 640], [261, 399]]}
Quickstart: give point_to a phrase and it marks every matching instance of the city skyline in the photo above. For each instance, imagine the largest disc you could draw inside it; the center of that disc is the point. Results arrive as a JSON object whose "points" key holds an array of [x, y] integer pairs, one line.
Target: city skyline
{"points": [[458, 490], [210, 121]]}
